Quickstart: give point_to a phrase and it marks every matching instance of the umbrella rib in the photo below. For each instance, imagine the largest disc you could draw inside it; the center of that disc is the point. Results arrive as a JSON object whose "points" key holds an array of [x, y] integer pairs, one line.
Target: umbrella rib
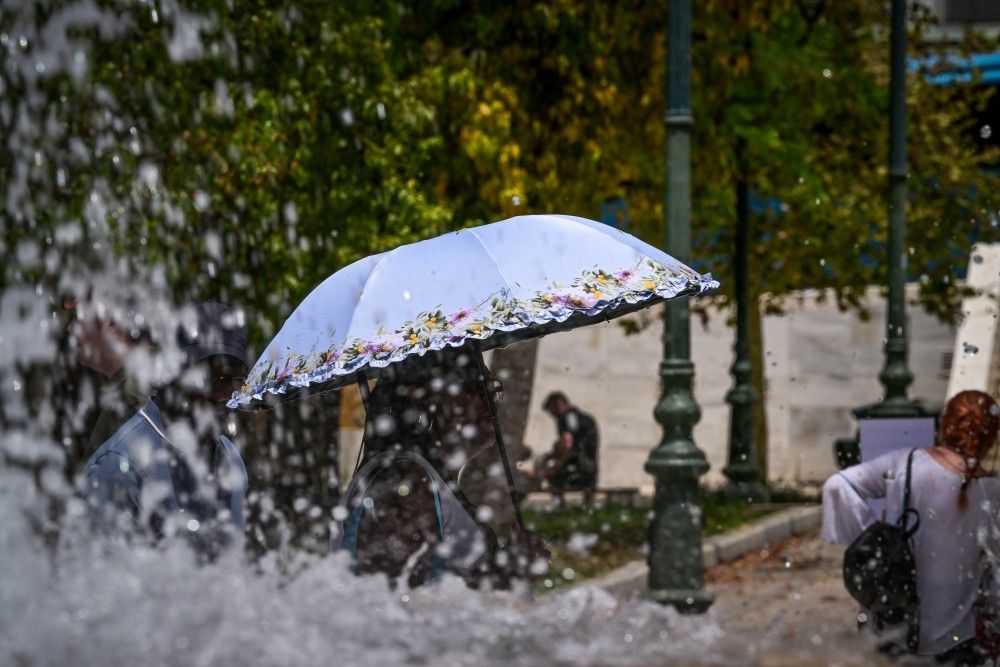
{"points": [[503, 275]]}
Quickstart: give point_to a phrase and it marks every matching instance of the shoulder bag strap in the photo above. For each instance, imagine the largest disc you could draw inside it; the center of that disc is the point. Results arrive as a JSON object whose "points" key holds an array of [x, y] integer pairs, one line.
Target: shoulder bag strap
{"points": [[904, 517], [913, 616], [906, 490]]}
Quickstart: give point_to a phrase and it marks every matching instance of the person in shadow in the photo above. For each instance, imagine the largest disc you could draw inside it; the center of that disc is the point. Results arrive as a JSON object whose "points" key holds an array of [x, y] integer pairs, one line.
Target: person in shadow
{"points": [[431, 494], [571, 465], [172, 467]]}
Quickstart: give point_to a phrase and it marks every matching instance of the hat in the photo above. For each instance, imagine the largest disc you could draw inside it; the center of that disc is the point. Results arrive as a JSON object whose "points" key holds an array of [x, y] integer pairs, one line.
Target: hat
{"points": [[210, 328]]}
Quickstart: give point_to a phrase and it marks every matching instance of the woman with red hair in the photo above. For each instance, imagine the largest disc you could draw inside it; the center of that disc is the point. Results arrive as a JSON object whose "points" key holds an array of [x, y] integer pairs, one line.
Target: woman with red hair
{"points": [[957, 500]]}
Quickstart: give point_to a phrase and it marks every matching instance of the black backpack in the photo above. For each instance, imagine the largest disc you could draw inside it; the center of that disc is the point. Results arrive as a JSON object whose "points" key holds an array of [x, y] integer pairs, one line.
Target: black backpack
{"points": [[881, 573]]}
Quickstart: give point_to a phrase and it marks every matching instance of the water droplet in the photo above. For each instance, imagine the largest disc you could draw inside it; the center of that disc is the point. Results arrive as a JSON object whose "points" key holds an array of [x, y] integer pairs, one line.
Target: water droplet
{"points": [[384, 425], [201, 200]]}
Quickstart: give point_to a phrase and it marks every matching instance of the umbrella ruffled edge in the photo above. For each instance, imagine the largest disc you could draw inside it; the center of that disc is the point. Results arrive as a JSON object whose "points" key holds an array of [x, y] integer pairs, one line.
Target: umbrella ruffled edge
{"points": [[521, 320]]}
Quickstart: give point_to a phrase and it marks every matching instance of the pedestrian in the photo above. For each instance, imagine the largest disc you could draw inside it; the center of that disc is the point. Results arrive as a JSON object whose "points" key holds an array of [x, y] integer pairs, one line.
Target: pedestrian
{"points": [[956, 500], [571, 465], [430, 495], [110, 350], [170, 468]]}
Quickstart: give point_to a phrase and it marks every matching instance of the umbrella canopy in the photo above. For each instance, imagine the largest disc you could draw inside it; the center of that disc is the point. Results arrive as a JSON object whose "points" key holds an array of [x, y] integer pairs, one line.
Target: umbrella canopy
{"points": [[510, 280]]}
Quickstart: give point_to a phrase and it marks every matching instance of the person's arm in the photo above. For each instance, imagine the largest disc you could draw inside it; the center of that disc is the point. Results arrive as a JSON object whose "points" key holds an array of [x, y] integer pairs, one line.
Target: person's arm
{"points": [[561, 451], [113, 486], [988, 537], [846, 512]]}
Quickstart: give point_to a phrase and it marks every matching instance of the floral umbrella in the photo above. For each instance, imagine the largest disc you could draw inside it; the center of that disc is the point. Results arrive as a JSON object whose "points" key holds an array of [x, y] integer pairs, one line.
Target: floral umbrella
{"points": [[511, 280]]}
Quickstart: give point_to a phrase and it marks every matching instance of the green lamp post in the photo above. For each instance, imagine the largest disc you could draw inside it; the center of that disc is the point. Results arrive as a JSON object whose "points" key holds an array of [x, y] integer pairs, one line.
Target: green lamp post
{"points": [[676, 576], [896, 375], [743, 469]]}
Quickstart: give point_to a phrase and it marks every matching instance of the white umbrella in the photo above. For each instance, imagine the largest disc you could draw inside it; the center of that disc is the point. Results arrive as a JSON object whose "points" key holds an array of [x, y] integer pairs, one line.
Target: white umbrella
{"points": [[510, 280], [489, 286]]}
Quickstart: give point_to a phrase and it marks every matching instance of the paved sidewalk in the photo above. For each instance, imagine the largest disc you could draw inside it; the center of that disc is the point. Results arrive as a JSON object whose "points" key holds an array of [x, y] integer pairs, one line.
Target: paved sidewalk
{"points": [[788, 606]]}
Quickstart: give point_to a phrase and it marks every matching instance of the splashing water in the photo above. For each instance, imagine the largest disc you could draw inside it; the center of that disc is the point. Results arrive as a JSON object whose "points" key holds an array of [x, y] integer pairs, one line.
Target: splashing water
{"points": [[109, 603]]}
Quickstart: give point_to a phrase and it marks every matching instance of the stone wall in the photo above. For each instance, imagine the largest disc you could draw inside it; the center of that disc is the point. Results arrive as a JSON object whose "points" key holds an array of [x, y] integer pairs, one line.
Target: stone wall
{"points": [[977, 345], [821, 363]]}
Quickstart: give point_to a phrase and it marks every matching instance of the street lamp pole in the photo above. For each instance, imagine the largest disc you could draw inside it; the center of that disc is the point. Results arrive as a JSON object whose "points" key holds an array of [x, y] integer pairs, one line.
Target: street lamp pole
{"points": [[676, 574], [896, 375], [743, 469]]}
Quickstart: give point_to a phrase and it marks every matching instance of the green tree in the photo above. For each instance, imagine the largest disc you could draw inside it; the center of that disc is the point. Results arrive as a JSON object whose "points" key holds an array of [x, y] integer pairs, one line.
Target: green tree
{"points": [[559, 105]]}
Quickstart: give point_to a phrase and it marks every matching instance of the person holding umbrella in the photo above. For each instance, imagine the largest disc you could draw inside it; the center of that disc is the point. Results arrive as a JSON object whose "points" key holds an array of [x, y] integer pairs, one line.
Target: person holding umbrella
{"points": [[430, 495]]}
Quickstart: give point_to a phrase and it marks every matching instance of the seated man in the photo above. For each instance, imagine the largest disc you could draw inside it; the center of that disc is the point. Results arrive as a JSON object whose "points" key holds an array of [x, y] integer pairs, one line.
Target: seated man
{"points": [[572, 463], [154, 480]]}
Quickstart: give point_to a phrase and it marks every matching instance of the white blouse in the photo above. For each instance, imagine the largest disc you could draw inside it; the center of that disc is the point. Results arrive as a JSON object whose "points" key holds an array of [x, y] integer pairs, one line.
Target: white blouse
{"points": [[948, 546]]}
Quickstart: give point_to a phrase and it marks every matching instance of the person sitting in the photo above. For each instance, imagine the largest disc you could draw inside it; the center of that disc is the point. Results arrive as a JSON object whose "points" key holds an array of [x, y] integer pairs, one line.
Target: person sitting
{"points": [[572, 463], [155, 477], [430, 495], [956, 500]]}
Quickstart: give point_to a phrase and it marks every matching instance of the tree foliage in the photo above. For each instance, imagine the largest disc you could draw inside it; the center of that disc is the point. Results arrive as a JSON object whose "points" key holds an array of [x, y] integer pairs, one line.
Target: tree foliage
{"points": [[246, 149]]}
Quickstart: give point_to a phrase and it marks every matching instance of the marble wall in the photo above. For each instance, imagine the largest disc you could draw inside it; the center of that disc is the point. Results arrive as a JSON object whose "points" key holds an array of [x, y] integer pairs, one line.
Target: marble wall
{"points": [[977, 345], [820, 363]]}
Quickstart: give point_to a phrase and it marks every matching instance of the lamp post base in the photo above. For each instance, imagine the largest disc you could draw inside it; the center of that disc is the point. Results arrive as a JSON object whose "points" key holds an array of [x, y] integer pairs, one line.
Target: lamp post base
{"points": [[751, 492], [693, 601]]}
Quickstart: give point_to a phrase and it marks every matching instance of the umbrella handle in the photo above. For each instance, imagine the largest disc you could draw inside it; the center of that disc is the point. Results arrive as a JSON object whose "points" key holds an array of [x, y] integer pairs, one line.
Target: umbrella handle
{"points": [[498, 433]]}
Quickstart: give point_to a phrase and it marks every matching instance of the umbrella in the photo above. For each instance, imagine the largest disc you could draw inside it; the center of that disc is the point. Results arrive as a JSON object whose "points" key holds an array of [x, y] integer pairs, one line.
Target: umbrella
{"points": [[485, 287]]}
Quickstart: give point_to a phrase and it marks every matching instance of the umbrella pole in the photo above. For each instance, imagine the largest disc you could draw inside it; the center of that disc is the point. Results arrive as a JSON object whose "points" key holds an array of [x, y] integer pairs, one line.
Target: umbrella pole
{"points": [[363, 388], [365, 395], [498, 433]]}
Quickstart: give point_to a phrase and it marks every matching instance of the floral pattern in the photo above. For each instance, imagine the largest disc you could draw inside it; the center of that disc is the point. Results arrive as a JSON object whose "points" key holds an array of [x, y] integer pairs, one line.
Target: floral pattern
{"points": [[595, 292]]}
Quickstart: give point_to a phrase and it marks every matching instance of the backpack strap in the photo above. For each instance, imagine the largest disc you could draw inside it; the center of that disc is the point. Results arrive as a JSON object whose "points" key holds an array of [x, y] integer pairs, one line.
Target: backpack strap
{"points": [[904, 517], [906, 490], [349, 541], [913, 619]]}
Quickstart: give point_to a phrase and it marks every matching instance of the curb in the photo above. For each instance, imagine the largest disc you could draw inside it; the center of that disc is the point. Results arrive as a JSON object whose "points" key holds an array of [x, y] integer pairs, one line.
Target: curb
{"points": [[630, 579]]}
